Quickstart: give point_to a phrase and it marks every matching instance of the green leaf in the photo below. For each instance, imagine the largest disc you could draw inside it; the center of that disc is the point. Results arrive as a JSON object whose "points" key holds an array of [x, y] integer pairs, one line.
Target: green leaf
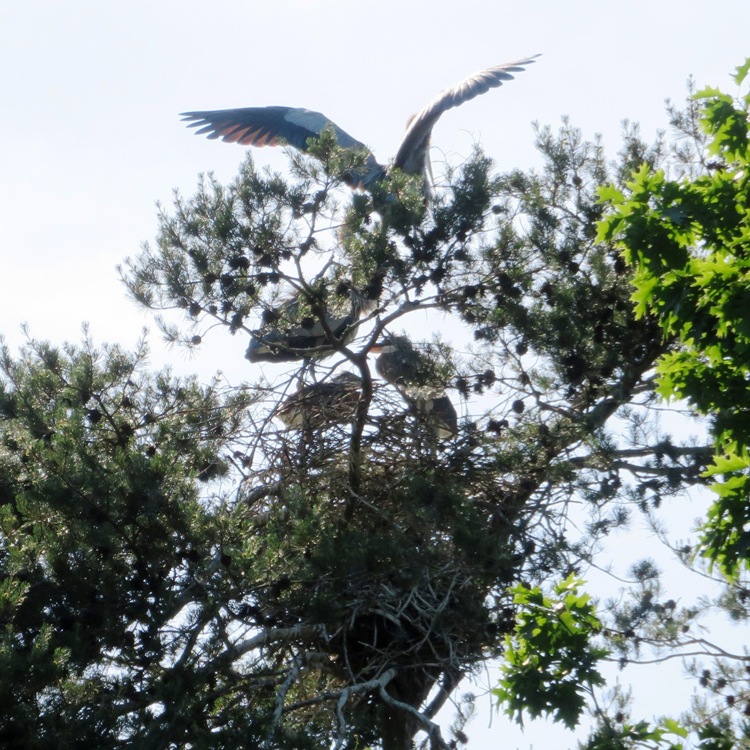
{"points": [[559, 664], [742, 71], [675, 728], [727, 464]]}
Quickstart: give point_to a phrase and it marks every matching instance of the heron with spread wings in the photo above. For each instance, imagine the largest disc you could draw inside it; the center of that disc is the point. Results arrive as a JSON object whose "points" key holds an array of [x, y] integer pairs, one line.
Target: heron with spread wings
{"points": [[295, 126]]}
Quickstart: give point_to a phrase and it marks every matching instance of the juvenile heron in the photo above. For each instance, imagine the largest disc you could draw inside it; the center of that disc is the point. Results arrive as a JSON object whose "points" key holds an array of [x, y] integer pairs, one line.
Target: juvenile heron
{"points": [[292, 337], [418, 380], [323, 404], [272, 126]]}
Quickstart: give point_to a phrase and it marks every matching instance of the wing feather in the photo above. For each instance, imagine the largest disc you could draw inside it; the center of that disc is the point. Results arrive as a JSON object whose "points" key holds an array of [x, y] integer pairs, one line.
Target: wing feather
{"points": [[412, 152], [261, 126], [274, 126]]}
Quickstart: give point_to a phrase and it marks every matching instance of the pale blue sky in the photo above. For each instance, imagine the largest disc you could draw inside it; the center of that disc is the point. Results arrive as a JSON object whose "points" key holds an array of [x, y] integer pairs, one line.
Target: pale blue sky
{"points": [[90, 94]]}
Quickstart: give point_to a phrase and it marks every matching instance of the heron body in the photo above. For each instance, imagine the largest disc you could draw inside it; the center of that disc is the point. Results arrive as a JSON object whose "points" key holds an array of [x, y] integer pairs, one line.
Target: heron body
{"points": [[299, 342], [412, 374], [271, 126], [293, 338], [440, 415], [401, 365], [323, 404]]}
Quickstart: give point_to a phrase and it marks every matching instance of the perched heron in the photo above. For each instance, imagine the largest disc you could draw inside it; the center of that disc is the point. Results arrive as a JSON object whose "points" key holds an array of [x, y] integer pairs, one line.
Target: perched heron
{"points": [[272, 126], [402, 365], [440, 415], [323, 404], [292, 336], [418, 380]]}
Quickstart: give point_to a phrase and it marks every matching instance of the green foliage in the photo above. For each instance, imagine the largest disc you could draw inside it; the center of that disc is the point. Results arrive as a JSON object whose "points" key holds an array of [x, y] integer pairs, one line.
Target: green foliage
{"points": [[379, 564], [104, 529], [643, 734], [666, 734], [689, 243], [180, 568], [550, 662]]}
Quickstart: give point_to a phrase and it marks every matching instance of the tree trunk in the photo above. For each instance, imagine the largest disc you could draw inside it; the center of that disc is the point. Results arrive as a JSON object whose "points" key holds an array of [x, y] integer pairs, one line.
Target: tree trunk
{"points": [[398, 727]]}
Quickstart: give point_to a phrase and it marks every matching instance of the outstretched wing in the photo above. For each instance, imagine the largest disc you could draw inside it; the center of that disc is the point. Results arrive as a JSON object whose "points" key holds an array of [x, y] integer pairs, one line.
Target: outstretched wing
{"points": [[412, 153], [274, 126]]}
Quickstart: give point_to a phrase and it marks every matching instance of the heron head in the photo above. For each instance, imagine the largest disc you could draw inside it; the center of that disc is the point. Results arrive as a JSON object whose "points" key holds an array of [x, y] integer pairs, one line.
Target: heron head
{"points": [[391, 344], [362, 304]]}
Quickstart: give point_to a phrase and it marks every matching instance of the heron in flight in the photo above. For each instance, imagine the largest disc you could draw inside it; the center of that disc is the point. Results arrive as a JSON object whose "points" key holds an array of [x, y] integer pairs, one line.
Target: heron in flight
{"points": [[272, 126]]}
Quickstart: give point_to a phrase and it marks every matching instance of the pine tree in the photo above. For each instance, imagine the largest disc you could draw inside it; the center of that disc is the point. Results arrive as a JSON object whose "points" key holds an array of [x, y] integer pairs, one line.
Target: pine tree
{"points": [[314, 559]]}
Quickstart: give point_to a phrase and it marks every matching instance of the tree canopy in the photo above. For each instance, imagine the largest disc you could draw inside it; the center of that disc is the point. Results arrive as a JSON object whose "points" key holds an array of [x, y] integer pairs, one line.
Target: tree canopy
{"points": [[317, 558], [689, 240]]}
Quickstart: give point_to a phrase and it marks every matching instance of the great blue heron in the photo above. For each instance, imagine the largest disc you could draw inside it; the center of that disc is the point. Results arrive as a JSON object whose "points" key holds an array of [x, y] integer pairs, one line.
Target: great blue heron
{"points": [[440, 415], [419, 381], [402, 365], [320, 405], [272, 126], [292, 336]]}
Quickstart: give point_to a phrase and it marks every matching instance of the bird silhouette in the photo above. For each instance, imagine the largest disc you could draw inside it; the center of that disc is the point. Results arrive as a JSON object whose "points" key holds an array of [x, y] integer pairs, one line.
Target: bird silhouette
{"points": [[291, 336], [417, 379], [320, 405]]}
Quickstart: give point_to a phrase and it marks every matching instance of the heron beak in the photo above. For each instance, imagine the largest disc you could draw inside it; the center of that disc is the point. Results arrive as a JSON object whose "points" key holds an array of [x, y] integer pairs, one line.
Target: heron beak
{"points": [[381, 346]]}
